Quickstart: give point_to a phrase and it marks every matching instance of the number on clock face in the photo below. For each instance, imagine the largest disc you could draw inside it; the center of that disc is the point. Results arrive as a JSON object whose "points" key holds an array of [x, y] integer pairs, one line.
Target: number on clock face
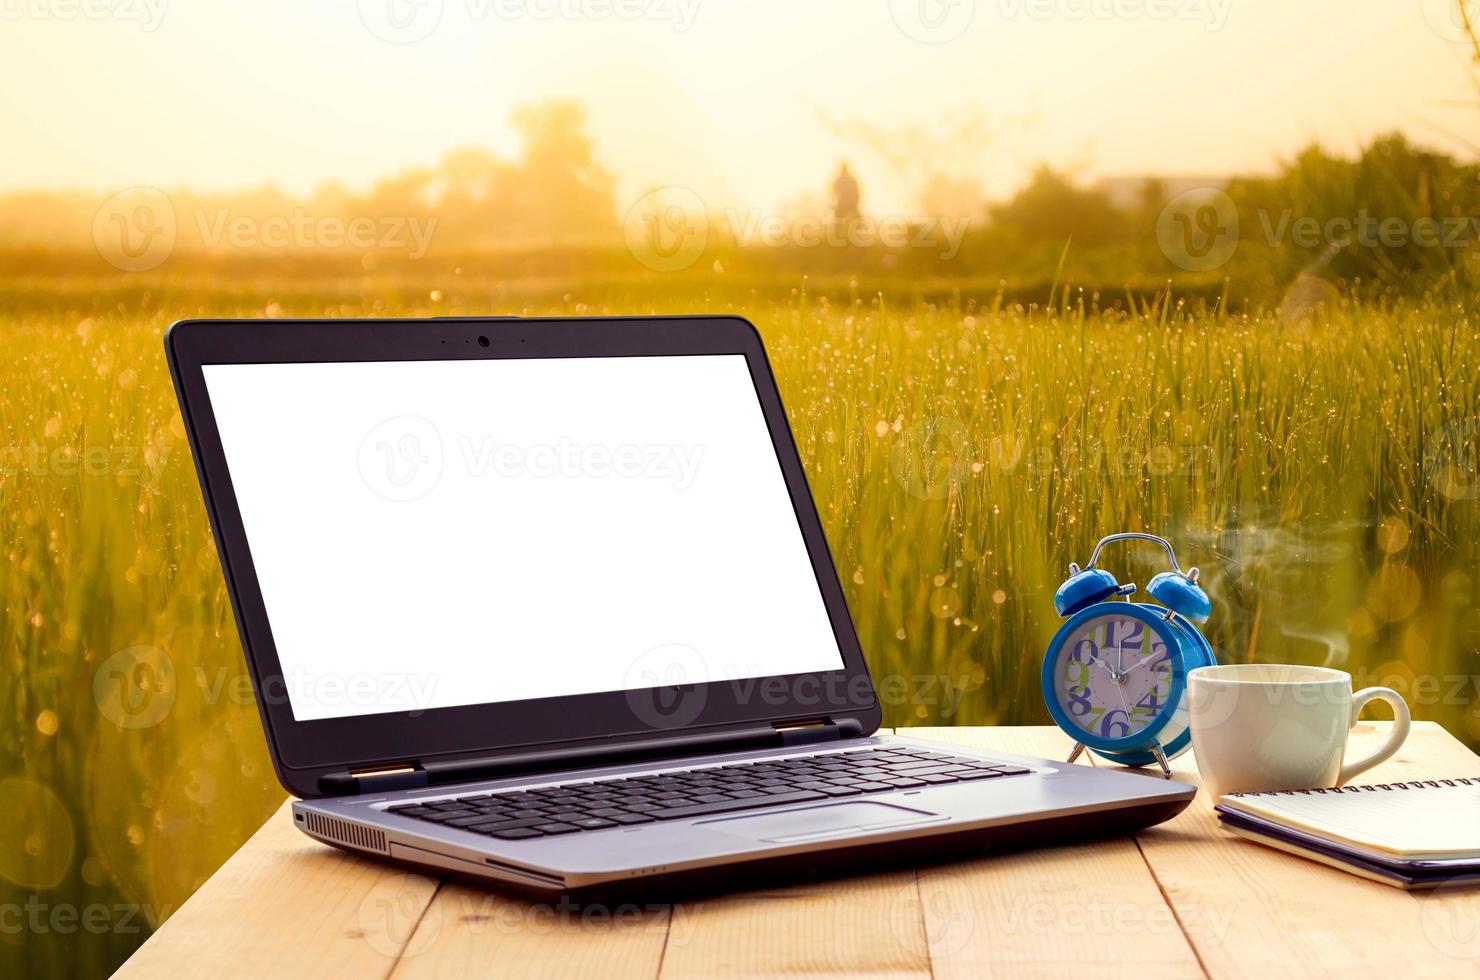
{"points": [[1113, 676]]}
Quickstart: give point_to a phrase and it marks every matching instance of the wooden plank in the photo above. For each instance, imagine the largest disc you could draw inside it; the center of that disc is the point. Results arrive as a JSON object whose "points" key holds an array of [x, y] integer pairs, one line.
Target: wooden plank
{"points": [[826, 929], [1267, 913], [287, 905], [1085, 911], [469, 931]]}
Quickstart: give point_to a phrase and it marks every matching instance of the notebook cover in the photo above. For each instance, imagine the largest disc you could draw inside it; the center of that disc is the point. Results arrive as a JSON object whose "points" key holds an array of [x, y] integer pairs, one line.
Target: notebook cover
{"points": [[1307, 839], [1404, 874]]}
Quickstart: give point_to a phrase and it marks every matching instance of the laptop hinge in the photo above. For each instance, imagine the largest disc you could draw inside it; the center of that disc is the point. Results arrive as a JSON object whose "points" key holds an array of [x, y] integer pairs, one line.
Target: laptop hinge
{"points": [[383, 780], [415, 775], [808, 732]]}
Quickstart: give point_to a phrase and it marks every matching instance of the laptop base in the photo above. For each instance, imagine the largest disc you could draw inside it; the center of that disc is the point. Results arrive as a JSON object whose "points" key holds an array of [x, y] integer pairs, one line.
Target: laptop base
{"points": [[853, 859]]}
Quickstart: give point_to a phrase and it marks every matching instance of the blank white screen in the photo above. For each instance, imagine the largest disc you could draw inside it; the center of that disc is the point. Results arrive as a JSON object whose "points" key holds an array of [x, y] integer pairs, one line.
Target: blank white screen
{"points": [[438, 533]]}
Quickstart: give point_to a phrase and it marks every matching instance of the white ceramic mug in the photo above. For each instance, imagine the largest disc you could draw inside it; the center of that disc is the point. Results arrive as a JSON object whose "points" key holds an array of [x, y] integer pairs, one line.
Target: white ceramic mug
{"points": [[1265, 727]]}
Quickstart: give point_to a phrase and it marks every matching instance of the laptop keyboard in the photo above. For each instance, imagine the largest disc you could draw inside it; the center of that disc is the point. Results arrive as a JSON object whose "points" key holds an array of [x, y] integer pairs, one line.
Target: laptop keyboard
{"points": [[609, 803]]}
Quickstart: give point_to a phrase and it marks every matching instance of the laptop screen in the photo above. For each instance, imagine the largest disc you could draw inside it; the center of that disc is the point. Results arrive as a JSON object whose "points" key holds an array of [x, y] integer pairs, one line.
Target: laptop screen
{"points": [[428, 534]]}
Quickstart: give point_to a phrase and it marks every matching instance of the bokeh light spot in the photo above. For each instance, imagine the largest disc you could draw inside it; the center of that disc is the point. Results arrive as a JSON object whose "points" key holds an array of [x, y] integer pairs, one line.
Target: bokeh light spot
{"points": [[1392, 535], [36, 834], [945, 603]]}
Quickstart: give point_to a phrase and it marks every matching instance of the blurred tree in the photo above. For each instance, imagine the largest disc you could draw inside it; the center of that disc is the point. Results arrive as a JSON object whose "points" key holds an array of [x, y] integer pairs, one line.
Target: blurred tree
{"points": [[1397, 216], [1148, 209], [556, 192], [845, 195], [1053, 208], [559, 190]]}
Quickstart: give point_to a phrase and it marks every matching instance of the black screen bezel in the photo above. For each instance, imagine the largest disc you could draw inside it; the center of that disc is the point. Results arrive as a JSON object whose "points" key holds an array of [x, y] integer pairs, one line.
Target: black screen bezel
{"points": [[302, 749]]}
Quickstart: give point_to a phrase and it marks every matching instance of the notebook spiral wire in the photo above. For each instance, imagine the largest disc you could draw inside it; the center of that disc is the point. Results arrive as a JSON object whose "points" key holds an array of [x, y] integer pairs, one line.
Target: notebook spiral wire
{"points": [[1413, 784]]}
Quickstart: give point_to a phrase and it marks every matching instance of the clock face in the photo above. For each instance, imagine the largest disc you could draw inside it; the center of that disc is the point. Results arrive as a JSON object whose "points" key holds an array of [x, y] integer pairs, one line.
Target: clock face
{"points": [[1113, 675]]}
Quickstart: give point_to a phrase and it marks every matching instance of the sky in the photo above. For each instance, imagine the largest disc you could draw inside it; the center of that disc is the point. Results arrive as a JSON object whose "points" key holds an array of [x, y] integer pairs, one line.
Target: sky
{"points": [[747, 101]]}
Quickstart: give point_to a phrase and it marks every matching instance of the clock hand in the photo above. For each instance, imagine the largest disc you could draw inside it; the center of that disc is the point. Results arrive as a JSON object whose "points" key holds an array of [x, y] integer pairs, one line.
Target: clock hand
{"points": [[1121, 691], [1142, 663], [1123, 706]]}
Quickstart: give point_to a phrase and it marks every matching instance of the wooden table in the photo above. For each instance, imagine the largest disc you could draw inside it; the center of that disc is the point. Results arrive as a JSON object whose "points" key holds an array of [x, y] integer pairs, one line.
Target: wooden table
{"points": [[1184, 899]]}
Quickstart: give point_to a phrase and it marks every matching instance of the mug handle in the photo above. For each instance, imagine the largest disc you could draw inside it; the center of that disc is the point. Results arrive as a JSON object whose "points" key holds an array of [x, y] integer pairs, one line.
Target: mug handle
{"points": [[1395, 737]]}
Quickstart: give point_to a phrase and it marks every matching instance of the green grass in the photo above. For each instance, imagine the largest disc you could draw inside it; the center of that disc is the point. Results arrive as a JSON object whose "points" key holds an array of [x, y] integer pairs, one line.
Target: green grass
{"points": [[961, 453]]}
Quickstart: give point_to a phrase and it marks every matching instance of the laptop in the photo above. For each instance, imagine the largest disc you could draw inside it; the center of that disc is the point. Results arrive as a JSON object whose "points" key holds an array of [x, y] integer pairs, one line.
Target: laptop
{"points": [[547, 602]]}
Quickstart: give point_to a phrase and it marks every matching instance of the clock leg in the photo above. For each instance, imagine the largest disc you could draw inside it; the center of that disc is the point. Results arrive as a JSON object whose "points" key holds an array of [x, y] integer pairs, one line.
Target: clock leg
{"points": [[1161, 757], [1078, 751]]}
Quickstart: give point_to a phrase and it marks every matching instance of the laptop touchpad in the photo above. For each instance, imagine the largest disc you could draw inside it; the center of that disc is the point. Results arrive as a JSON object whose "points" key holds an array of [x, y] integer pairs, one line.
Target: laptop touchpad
{"points": [[827, 820]]}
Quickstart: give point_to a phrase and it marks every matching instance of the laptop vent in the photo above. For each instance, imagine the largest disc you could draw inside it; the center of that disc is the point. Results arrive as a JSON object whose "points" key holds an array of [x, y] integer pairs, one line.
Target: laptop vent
{"points": [[344, 832]]}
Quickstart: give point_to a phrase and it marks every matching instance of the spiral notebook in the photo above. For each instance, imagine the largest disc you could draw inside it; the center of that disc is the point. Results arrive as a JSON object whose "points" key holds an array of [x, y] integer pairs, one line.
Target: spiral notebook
{"points": [[1411, 835]]}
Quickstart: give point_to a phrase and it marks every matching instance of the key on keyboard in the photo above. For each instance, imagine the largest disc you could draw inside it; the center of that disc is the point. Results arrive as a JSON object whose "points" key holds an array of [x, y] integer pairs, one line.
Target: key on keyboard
{"points": [[605, 804]]}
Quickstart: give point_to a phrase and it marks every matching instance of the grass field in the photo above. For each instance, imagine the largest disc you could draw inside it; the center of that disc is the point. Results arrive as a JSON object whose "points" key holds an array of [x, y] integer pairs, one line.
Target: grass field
{"points": [[962, 453]]}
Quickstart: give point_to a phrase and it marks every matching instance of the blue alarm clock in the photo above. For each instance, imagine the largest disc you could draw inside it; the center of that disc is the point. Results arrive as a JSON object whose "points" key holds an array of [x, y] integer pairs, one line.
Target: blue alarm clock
{"points": [[1115, 674]]}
